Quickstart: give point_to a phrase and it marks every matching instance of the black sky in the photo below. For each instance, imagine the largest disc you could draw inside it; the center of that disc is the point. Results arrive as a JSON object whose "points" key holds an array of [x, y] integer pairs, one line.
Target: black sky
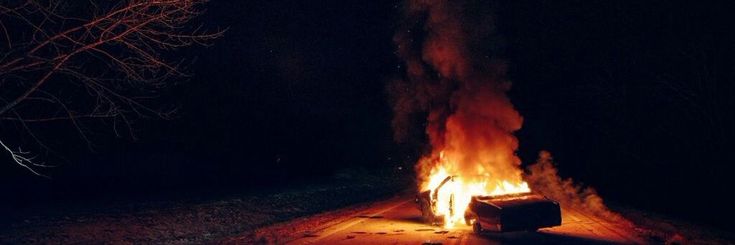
{"points": [[633, 98]]}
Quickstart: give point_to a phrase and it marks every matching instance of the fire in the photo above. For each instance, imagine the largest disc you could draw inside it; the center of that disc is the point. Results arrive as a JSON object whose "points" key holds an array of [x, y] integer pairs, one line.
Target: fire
{"points": [[456, 79], [454, 196], [455, 86]]}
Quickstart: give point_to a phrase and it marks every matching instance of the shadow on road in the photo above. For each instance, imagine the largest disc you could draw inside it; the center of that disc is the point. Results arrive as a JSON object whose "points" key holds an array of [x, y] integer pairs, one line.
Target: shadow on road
{"points": [[521, 237], [411, 219], [539, 238]]}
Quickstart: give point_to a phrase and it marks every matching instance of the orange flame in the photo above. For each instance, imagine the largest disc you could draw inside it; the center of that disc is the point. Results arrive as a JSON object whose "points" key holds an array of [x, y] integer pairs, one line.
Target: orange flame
{"points": [[455, 76], [453, 198]]}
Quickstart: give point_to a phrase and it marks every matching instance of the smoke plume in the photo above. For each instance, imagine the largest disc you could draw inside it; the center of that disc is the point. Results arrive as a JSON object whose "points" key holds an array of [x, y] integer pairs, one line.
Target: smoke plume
{"points": [[455, 84], [543, 177]]}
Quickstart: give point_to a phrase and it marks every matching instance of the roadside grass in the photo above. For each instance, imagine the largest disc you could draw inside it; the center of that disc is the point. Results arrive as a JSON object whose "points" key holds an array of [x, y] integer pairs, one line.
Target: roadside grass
{"points": [[200, 218]]}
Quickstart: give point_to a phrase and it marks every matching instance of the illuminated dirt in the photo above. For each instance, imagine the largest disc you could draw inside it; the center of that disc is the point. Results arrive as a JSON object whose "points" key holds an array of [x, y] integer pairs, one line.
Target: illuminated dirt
{"points": [[397, 221]]}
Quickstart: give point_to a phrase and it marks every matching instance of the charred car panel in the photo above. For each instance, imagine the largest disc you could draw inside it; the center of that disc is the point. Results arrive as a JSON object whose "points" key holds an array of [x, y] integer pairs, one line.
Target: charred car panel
{"points": [[427, 204]]}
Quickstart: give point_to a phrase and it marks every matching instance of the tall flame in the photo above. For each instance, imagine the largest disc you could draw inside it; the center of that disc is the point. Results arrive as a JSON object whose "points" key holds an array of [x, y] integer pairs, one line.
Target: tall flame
{"points": [[455, 78], [453, 198]]}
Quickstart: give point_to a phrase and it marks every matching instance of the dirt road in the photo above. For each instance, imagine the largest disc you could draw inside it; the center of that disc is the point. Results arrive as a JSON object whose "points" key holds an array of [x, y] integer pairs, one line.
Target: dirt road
{"points": [[397, 221]]}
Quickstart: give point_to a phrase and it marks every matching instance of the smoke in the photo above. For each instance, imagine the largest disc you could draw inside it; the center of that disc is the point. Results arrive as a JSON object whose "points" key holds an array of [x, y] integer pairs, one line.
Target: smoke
{"points": [[543, 177], [455, 85]]}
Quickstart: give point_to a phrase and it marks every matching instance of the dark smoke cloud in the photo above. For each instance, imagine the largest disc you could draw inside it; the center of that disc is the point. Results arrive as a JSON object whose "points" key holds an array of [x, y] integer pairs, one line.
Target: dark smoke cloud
{"points": [[441, 43], [455, 86]]}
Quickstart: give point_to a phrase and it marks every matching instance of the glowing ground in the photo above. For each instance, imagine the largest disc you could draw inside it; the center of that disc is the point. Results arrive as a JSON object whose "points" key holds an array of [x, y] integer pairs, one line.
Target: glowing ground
{"points": [[397, 221]]}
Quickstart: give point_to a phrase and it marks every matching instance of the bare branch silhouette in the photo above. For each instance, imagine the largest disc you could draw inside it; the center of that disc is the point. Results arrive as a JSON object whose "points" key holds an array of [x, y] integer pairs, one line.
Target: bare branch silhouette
{"points": [[101, 60]]}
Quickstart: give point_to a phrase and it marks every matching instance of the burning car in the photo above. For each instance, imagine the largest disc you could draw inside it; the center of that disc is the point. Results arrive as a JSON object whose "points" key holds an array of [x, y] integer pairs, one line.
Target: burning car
{"points": [[525, 211]]}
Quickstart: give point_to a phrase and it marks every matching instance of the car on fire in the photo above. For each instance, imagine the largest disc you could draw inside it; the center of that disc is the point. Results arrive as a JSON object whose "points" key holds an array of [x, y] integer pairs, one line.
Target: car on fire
{"points": [[502, 213]]}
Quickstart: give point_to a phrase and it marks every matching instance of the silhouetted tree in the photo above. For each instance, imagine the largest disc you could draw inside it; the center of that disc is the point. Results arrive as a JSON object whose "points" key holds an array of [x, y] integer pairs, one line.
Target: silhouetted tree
{"points": [[77, 60]]}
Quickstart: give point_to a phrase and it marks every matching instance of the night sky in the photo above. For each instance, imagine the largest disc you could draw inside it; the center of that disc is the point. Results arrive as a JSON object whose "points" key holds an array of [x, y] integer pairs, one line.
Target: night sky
{"points": [[632, 98]]}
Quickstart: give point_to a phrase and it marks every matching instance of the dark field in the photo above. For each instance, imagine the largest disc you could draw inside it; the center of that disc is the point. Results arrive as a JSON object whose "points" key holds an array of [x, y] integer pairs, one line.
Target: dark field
{"points": [[191, 217]]}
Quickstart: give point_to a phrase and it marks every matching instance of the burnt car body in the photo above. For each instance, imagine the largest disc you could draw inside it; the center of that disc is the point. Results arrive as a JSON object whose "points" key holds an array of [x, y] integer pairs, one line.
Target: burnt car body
{"points": [[505, 213], [427, 204], [515, 212]]}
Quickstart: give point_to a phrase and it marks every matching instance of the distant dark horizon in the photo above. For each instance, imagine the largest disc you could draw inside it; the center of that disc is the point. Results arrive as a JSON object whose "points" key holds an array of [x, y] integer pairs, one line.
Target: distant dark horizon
{"points": [[633, 99]]}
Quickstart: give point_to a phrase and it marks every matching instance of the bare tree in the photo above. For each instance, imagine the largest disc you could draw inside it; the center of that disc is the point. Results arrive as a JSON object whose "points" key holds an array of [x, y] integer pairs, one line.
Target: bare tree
{"points": [[73, 61]]}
